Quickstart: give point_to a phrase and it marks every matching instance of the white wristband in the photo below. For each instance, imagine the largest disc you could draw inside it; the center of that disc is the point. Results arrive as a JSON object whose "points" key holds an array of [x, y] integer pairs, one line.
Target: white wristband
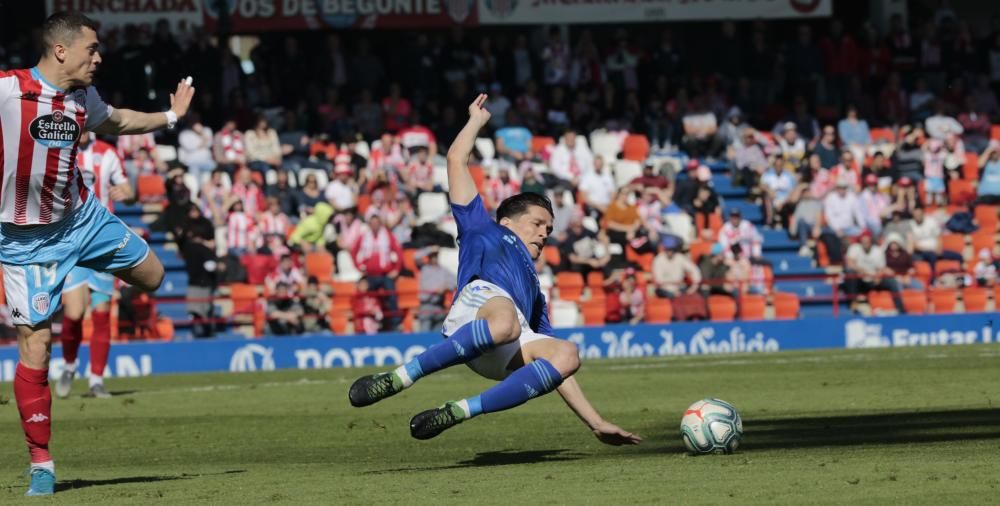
{"points": [[171, 119]]}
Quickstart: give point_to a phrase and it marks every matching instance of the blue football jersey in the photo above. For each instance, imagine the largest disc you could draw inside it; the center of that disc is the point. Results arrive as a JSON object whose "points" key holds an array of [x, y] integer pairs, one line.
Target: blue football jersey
{"points": [[491, 252]]}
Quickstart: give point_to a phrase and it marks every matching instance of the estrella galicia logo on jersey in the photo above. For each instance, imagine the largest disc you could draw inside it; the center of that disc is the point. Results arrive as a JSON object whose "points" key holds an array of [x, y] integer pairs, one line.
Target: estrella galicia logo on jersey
{"points": [[40, 303], [501, 8], [54, 130]]}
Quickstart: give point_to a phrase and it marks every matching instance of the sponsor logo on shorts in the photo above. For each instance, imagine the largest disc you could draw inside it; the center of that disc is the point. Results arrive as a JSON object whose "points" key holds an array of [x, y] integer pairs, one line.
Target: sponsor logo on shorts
{"points": [[40, 303], [54, 130], [124, 242]]}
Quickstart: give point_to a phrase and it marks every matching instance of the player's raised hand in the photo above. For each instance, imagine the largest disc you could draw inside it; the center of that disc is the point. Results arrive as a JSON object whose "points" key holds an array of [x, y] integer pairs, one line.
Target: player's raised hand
{"points": [[180, 100], [611, 434], [477, 112]]}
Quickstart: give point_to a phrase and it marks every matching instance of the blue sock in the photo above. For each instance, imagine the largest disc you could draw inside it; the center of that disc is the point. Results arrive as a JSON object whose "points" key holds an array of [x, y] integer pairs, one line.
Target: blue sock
{"points": [[468, 342], [537, 378]]}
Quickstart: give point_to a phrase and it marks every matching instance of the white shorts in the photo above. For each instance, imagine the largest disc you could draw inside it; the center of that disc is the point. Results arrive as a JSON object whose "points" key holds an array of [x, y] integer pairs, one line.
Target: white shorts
{"points": [[492, 364]]}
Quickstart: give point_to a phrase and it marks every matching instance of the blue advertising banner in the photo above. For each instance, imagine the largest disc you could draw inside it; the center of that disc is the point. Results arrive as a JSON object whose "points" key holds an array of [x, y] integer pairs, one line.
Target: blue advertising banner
{"points": [[611, 341]]}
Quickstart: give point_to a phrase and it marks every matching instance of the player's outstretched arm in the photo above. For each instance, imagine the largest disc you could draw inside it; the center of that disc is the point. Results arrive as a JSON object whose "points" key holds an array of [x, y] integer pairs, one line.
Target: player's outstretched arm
{"points": [[605, 431], [127, 121], [461, 186]]}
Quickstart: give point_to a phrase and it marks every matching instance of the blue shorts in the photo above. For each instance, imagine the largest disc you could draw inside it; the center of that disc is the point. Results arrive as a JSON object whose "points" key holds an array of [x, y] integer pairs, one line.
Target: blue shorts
{"points": [[934, 185], [38, 259], [101, 284]]}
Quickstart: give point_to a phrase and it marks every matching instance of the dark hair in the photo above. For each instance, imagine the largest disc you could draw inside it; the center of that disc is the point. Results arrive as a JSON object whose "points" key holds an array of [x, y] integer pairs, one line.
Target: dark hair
{"points": [[63, 28], [518, 204]]}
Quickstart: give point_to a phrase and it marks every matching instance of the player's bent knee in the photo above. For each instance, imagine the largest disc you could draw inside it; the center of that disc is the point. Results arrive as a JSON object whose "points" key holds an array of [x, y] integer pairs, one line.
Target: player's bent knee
{"points": [[565, 358], [147, 276], [501, 317]]}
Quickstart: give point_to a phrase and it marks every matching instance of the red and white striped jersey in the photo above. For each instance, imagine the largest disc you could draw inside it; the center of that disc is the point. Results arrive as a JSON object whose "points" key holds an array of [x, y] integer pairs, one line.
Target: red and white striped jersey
{"points": [[274, 224], [129, 144], [241, 232], [40, 127], [500, 191], [101, 169]]}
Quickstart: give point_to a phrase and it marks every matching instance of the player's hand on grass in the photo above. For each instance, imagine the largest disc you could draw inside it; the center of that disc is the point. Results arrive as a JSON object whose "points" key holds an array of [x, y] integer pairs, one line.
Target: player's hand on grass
{"points": [[611, 434], [477, 112], [180, 100]]}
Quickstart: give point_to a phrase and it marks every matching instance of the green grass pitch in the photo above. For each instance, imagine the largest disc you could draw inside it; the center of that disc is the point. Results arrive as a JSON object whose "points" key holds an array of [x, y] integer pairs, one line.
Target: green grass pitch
{"points": [[902, 426]]}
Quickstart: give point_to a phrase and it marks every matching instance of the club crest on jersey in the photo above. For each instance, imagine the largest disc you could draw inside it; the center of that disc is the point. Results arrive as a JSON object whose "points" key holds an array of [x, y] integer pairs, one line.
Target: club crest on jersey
{"points": [[40, 303], [54, 130]]}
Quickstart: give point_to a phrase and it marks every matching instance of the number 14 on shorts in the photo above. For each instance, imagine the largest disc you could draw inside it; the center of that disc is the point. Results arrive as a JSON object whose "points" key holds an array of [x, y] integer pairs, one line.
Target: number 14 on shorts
{"points": [[45, 275]]}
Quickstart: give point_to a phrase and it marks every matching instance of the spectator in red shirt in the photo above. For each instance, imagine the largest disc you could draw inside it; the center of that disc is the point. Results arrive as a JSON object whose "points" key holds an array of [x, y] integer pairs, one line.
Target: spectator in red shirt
{"points": [[228, 148], [419, 175], [378, 256], [396, 110]]}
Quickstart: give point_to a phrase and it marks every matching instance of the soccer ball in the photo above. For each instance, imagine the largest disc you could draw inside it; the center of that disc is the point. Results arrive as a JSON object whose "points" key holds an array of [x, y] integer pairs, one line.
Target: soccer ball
{"points": [[711, 426]]}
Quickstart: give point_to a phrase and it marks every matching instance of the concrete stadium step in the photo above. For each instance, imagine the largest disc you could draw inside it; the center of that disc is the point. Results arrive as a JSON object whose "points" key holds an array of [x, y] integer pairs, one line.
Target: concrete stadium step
{"points": [[778, 240]]}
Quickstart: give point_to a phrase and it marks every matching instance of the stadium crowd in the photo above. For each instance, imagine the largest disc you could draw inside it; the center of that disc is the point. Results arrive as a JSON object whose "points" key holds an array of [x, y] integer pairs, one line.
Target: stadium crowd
{"points": [[318, 175]]}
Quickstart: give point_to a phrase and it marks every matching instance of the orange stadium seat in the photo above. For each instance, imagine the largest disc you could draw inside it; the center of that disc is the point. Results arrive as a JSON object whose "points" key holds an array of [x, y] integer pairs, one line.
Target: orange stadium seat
{"points": [[570, 285], [995, 132], [974, 299], [881, 302], [983, 240], [698, 249], [408, 290], [320, 264], [595, 281], [410, 260], [635, 147], [364, 200], [338, 321], [961, 191], [883, 134], [540, 143], [786, 306], [943, 300], [923, 271], [970, 170], [594, 312], [552, 256], [721, 308], [914, 301], [943, 266], [986, 217], [343, 295], [151, 188], [953, 242], [659, 310], [752, 307], [478, 175]]}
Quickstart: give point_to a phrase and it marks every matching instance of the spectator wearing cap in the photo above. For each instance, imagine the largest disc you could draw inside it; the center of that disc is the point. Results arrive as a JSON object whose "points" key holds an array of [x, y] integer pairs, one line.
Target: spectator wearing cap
{"points": [[792, 146], [571, 160], [714, 269], [418, 136], [867, 270], [649, 178], [732, 129], [985, 270], [841, 211], [737, 230], [875, 205], [435, 282], [748, 158], [228, 148], [673, 271], [419, 174], [597, 186], [379, 257], [988, 190], [776, 186], [284, 312], [263, 150]]}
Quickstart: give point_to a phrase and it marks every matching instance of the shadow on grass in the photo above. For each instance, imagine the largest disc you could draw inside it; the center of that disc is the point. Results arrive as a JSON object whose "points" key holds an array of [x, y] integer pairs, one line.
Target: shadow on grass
{"points": [[499, 458], [852, 430], [81, 483]]}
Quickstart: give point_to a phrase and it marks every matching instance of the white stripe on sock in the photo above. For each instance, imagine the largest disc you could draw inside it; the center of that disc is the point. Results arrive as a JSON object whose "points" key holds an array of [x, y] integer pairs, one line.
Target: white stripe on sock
{"points": [[96, 380], [403, 375], [49, 466], [464, 404]]}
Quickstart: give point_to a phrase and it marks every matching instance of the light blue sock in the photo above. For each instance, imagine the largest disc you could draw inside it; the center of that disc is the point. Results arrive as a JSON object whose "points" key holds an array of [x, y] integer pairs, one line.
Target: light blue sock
{"points": [[468, 342], [537, 378]]}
